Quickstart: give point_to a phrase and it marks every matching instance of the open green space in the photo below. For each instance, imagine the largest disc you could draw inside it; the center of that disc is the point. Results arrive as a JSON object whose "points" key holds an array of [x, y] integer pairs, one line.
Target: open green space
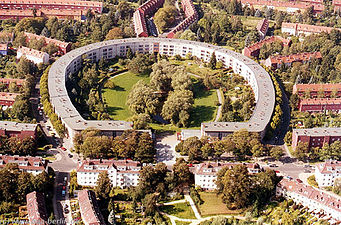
{"points": [[204, 107], [181, 210], [178, 222], [116, 98], [213, 205]]}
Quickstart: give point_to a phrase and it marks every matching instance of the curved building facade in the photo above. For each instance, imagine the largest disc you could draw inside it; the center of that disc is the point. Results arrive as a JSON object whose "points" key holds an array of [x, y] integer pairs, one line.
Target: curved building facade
{"points": [[252, 72]]}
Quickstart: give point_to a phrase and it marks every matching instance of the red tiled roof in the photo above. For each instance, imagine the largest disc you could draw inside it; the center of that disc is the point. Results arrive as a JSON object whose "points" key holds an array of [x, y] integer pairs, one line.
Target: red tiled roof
{"points": [[318, 7], [316, 87], [7, 96], [272, 39], [39, 13], [31, 52], [308, 28], [24, 162], [329, 166], [321, 101], [54, 2], [263, 26], [211, 168], [128, 166], [306, 56], [19, 82], [311, 193], [58, 43], [36, 208], [89, 209]]}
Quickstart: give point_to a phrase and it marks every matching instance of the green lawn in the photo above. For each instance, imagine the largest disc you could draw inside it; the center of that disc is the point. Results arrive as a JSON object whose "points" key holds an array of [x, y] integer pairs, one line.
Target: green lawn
{"points": [[116, 98], [178, 222], [213, 205], [181, 210], [204, 108]]}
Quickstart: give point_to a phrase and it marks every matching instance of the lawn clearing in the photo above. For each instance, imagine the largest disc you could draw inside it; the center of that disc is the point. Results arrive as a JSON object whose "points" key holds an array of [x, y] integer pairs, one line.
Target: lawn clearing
{"points": [[178, 222], [181, 210], [213, 205], [116, 98]]}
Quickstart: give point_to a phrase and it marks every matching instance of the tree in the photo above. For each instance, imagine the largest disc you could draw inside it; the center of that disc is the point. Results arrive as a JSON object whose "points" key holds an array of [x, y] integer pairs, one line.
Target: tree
{"points": [[21, 108], [25, 66], [149, 202], [42, 182], [50, 48], [141, 121], [141, 64], [165, 17], [301, 150], [189, 35], [177, 107], [142, 99], [114, 33], [213, 61], [276, 152], [103, 186], [235, 185], [182, 176], [145, 151]]}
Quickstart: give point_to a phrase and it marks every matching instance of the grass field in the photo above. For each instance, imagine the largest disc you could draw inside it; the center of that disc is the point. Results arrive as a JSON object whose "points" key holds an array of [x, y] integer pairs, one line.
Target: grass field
{"points": [[213, 205], [177, 222], [204, 108], [116, 98], [181, 210]]}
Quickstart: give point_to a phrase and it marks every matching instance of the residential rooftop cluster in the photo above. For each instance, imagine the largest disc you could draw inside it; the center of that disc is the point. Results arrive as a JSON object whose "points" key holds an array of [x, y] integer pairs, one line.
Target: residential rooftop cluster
{"points": [[277, 61], [254, 49]]}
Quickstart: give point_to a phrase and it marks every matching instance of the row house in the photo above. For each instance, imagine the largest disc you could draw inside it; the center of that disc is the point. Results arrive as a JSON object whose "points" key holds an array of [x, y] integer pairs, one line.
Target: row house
{"points": [[7, 99], [191, 17], [286, 6], [315, 137], [52, 4], [33, 55], [19, 130], [36, 210], [320, 105], [88, 207], [262, 28], [145, 10], [29, 164], [306, 29], [63, 47], [122, 173], [326, 173], [3, 49], [28, 13], [254, 49], [317, 90], [8, 81], [205, 174], [275, 62], [323, 205]]}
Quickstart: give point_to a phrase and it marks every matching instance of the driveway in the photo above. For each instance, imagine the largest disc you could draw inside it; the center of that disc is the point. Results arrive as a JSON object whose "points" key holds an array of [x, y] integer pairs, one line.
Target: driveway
{"points": [[165, 148]]}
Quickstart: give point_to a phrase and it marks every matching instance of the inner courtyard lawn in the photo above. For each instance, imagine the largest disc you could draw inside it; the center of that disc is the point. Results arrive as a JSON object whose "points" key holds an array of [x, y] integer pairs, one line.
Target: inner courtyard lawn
{"points": [[213, 205], [116, 98], [204, 107], [181, 210]]}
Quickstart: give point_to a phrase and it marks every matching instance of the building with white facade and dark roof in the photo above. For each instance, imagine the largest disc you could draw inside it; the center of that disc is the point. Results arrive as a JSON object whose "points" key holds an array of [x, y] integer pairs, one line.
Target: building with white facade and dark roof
{"points": [[122, 173], [327, 172], [318, 202], [205, 174]]}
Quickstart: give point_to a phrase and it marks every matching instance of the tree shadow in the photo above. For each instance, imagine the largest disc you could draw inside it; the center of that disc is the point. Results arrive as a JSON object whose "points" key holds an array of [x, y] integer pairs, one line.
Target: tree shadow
{"points": [[118, 88], [199, 90], [201, 114], [112, 110]]}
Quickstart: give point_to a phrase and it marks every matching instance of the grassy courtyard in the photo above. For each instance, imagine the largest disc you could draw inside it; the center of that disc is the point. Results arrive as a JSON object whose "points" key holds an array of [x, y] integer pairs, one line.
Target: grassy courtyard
{"points": [[116, 98], [204, 108], [181, 210], [213, 205]]}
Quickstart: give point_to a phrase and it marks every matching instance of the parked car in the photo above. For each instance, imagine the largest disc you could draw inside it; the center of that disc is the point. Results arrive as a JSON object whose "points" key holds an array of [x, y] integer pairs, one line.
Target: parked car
{"points": [[63, 148], [299, 181], [63, 193]]}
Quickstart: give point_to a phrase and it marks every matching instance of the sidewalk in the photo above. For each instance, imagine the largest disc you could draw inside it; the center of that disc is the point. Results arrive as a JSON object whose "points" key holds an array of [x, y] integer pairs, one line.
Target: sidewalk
{"points": [[194, 207]]}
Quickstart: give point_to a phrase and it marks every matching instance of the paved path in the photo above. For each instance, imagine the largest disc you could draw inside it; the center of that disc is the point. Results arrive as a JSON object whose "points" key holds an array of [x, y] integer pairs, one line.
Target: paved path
{"points": [[175, 202], [165, 149], [220, 99], [194, 207]]}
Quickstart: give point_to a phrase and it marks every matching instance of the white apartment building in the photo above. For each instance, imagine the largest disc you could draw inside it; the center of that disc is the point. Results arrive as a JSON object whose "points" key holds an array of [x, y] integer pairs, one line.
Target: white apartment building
{"points": [[33, 165], [33, 55], [122, 173], [327, 172], [320, 204], [205, 174]]}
